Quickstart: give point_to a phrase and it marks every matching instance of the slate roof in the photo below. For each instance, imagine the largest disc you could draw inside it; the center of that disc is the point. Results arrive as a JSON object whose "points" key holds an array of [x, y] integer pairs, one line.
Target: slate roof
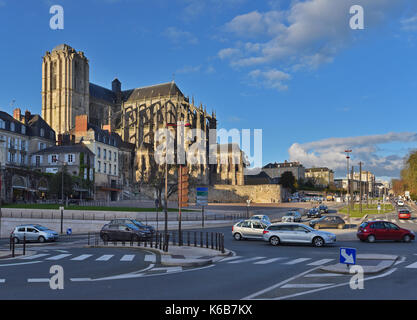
{"points": [[164, 89], [102, 93], [74, 148]]}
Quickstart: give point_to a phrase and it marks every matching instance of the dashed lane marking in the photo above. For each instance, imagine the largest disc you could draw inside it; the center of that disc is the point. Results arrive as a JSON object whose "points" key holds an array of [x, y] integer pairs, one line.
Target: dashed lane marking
{"points": [[59, 257], [231, 258], [36, 256], [127, 257], [82, 257], [299, 260], [105, 257], [247, 260], [305, 285], [269, 260], [412, 266]]}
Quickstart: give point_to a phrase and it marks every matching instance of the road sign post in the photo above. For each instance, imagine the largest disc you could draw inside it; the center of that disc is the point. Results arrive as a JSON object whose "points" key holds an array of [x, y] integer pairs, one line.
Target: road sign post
{"points": [[202, 200], [347, 256]]}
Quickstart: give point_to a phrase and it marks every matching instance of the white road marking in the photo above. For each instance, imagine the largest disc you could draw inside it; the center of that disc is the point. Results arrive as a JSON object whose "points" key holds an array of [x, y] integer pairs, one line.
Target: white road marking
{"points": [[247, 260], [82, 257], [127, 257], [105, 257], [37, 280], [150, 258], [34, 256], [18, 264], [168, 269], [2, 280], [230, 258], [402, 221], [269, 260], [305, 285], [59, 257], [316, 275], [320, 262], [297, 261], [412, 266]]}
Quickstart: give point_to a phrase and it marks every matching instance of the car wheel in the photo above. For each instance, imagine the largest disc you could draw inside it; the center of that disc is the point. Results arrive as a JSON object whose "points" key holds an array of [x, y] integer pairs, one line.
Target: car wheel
{"points": [[16, 240], [316, 226], [237, 236], [41, 239], [274, 240], [135, 238], [318, 242], [407, 238], [371, 238]]}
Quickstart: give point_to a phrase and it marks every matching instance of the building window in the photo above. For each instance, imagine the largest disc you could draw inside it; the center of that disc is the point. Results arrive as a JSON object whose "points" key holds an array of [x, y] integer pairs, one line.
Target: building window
{"points": [[99, 166], [109, 155], [109, 168], [23, 130], [38, 161], [98, 152], [54, 158], [12, 126], [115, 171], [42, 132], [115, 156], [105, 168], [104, 154], [2, 124], [70, 158]]}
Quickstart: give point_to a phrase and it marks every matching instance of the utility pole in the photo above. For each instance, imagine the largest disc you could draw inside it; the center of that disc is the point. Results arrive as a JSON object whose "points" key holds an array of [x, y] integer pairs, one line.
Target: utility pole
{"points": [[352, 193], [348, 151], [360, 187], [367, 190]]}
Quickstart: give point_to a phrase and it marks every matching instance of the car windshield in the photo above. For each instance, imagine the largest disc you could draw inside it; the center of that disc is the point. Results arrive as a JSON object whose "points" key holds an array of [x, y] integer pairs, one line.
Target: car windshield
{"points": [[132, 226], [41, 228], [363, 225], [138, 223]]}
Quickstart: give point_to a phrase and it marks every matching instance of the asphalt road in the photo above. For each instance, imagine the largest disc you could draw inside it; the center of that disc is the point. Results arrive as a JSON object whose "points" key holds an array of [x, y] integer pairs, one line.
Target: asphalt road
{"points": [[257, 271]]}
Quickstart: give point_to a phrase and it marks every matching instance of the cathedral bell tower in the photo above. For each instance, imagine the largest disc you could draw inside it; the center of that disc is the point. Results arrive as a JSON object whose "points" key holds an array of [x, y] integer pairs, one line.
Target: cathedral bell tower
{"points": [[65, 87]]}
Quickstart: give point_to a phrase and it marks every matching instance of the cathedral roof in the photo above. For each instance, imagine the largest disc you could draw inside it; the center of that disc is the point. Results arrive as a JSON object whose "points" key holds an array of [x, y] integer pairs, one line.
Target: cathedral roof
{"points": [[102, 93], [163, 90]]}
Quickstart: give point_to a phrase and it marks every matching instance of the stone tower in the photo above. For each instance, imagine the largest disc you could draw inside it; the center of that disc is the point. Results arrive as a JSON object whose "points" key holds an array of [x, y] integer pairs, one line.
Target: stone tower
{"points": [[65, 87]]}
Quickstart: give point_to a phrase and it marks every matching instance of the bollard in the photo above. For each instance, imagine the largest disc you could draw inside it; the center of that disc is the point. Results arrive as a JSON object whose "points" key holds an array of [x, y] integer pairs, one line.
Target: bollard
{"points": [[24, 244], [88, 241], [212, 243], [217, 240], [13, 245], [223, 251], [201, 239], [207, 240], [195, 239], [188, 238]]}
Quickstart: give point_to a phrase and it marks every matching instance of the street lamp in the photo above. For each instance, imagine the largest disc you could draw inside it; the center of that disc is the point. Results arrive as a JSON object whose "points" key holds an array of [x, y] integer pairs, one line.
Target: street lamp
{"points": [[176, 125], [348, 151]]}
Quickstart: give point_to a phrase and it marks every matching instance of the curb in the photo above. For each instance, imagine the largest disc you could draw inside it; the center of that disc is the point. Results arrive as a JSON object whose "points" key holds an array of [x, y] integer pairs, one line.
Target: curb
{"points": [[386, 263]]}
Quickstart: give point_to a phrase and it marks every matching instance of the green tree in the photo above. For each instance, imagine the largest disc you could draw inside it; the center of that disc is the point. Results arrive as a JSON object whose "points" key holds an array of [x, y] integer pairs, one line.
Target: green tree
{"points": [[55, 185], [288, 181]]}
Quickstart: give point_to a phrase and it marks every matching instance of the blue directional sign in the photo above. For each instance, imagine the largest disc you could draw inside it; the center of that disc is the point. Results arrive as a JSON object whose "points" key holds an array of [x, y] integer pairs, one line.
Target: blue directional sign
{"points": [[347, 256], [69, 231]]}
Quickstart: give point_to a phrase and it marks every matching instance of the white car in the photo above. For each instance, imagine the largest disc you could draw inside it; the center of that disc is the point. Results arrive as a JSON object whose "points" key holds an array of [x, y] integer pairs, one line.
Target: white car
{"points": [[400, 203], [291, 216], [297, 233], [261, 217]]}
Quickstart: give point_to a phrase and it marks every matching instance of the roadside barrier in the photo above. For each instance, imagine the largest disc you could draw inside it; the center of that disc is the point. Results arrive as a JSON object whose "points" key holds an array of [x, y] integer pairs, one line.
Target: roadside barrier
{"points": [[162, 240]]}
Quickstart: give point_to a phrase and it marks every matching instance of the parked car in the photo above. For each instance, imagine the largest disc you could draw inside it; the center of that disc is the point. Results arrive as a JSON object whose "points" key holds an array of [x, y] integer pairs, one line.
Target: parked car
{"points": [[323, 208], [328, 222], [296, 233], [381, 230], [313, 213], [404, 214], [123, 232], [137, 223], [249, 229], [33, 233], [261, 217], [291, 216], [400, 203]]}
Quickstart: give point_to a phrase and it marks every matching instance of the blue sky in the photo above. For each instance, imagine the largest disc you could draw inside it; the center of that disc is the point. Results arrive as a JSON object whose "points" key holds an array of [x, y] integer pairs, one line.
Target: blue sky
{"points": [[291, 68]]}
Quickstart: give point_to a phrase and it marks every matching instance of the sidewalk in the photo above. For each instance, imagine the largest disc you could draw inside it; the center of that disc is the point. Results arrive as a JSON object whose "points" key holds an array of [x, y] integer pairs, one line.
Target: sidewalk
{"points": [[371, 263]]}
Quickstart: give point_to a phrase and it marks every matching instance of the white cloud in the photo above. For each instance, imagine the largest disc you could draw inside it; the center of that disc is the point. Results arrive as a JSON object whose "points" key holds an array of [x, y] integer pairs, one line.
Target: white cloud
{"points": [[178, 36], [330, 153], [189, 69], [409, 24], [272, 78], [304, 36]]}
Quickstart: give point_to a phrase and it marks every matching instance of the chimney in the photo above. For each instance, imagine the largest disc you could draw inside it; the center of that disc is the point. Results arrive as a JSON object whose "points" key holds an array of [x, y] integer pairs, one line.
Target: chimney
{"points": [[27, 116], [17, 113], [59, 142], [81, 125], [107, 127]]}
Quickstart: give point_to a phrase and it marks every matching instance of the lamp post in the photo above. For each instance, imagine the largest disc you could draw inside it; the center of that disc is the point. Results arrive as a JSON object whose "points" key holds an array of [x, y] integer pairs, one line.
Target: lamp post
{"points": [[348, 151], [176, 125]]}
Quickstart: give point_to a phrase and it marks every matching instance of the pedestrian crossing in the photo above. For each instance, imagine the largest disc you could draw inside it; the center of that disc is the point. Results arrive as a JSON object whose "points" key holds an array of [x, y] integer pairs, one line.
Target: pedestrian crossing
{"points": [[396, 221], [79, 257], [234, 260]]}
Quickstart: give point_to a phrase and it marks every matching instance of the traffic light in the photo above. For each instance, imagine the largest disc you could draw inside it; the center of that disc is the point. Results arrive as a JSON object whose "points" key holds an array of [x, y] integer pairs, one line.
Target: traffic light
{"points": [[183, 186]]}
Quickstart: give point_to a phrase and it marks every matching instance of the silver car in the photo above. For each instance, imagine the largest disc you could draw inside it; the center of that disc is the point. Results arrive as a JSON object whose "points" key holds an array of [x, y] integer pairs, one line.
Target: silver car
{"points": [[249, 229], [292, 216], [33, 233], [297, 233]]}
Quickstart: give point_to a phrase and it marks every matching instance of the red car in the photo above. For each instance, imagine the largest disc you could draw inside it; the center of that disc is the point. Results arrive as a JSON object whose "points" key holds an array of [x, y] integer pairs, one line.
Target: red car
{"points": [[382, 230], [404, 214]]}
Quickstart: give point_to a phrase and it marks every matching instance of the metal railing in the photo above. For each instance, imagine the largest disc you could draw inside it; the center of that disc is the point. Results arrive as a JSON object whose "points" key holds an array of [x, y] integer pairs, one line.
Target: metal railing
{"points": [[162, 241]]}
